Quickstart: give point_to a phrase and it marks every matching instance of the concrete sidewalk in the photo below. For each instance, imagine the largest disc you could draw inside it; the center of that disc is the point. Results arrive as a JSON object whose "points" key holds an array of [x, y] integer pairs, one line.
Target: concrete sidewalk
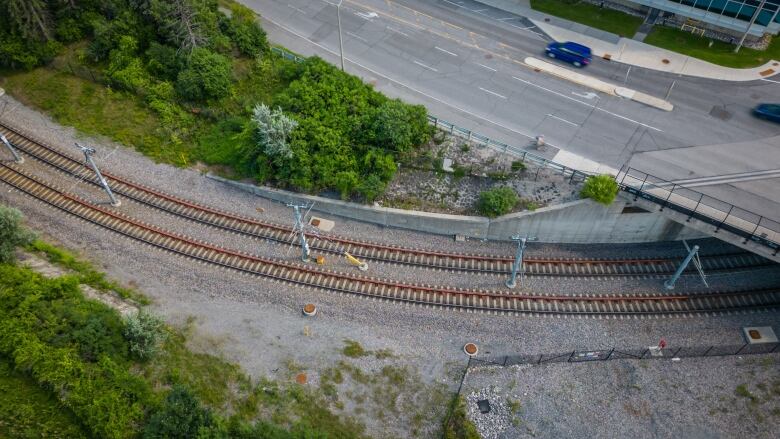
{"points": [[628, 51]]}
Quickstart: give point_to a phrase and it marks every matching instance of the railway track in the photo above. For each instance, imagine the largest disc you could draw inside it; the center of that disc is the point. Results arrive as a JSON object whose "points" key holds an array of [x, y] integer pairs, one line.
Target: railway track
{"points": [[435, 296], [369, 250]]}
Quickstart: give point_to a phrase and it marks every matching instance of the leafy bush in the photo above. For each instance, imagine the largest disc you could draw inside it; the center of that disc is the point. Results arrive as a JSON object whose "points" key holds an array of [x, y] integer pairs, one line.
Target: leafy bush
{"points": [[518, 165], [144, 332], [17, 52], [600, 188], [400, 126], [37, 319], [12, 234], [164, 61], [243, 30], [207, 76], [497, 201], [180, 417]]}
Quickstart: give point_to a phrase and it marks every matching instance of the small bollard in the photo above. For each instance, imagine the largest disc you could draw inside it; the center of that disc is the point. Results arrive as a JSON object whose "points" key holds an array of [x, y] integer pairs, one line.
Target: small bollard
{"points": [[470, 349], [309, 310]]}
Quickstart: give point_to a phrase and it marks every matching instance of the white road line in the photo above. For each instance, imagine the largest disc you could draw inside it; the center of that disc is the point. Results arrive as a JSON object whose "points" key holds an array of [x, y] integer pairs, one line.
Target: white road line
{"points": [[478, 11], [357, 36], [392, 29], [445, 51], [588, 105], [453, 3], [562, 120], [489, 68], [493, 93], [770, 80], [507, 18], [426, 67], [296, 8]]}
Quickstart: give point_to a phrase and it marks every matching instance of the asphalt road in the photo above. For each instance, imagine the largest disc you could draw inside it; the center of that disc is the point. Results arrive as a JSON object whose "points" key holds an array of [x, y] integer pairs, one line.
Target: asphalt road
{"points": [[465, 65]]}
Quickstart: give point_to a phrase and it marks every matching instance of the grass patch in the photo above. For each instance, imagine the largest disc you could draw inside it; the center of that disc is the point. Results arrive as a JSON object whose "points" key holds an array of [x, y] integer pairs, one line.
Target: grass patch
{"points": [[353, 349], [743, 391], [591, 15], [86, 272], [27, 410], [458, 426], [720, 53], [117, 115]]}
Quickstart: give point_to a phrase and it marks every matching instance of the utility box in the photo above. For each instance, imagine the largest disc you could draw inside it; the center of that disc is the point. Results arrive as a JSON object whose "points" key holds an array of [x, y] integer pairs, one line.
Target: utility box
{"points": [[759, 334]]}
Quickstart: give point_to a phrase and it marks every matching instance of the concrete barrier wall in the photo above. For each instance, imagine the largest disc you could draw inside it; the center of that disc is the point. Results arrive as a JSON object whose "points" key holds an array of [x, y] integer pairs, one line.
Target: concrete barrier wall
{"points": [[581, 221]]}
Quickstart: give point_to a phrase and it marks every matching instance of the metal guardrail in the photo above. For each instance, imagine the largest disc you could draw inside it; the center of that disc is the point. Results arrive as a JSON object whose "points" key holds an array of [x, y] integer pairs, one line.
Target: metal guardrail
{"points": [[451, 128], [721, 214]]}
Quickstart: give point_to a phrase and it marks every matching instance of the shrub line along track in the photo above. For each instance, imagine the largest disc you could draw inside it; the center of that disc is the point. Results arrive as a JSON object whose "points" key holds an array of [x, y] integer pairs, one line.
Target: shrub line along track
{"points": [[369, 250], [300, 274]]}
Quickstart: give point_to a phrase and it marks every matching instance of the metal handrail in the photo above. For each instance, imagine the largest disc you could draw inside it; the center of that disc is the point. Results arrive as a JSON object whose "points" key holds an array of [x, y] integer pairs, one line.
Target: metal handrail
{"points": [[704, 207]]}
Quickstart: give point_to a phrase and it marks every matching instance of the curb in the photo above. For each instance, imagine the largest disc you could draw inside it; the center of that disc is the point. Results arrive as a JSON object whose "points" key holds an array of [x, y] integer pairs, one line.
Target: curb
{"points": [[598, 84]]}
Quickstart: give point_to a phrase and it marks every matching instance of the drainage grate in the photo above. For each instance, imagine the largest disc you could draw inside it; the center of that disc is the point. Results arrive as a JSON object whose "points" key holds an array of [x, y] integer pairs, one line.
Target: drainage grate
{"points": [[484, 406]]}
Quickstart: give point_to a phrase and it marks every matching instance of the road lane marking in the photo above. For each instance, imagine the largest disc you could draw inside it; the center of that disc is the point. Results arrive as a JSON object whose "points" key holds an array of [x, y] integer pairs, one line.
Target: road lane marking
{"points": [[297, 9], [770, 80], [589, 105], [489, 68], [493, 93], [425, 67], [586, 95], [392, 29], [357, 36], [445, 51], [506, 18], [562, 119]]}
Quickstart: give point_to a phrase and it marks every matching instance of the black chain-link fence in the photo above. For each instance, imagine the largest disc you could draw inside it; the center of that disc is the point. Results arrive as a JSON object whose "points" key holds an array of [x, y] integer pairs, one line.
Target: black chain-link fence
{"points": [[579, 356]]}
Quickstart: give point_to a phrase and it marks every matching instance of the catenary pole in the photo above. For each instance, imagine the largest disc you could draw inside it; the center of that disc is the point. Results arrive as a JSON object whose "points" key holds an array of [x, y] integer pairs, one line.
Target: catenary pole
{"points": [[669, 284], [17, 157], [88, 157]]}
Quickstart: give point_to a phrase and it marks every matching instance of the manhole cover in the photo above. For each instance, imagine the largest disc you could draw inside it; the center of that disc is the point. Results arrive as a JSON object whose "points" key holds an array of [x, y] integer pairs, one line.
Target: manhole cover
{"points": [[720, 113], [484, 406], [301, 378]]}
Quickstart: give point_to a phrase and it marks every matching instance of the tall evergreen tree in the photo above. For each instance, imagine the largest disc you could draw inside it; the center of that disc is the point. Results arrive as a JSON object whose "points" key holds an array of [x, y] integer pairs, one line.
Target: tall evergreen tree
{"points": [[30, 18]]}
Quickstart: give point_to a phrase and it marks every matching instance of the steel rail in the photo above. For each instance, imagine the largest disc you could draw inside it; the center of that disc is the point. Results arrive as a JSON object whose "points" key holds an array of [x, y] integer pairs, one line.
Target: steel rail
{"points": [[437, 296]]}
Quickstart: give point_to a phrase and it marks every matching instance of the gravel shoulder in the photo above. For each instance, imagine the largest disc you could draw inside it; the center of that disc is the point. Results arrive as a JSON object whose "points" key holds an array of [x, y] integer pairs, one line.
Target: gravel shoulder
{"points": [[715, 397]]}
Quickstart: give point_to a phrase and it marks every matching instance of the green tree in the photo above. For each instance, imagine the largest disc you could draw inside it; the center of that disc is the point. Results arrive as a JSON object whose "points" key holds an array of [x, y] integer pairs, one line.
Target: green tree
{"points": [[600, 188], [207, 76], [400, 126], [30, 18], [12, 234], [272, 129], [180, 417], [144, 332], [497, 201]]}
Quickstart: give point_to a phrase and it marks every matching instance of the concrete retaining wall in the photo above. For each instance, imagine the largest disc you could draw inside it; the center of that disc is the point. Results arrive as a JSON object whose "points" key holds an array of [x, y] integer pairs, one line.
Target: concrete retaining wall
{"points": [[581, 221]]}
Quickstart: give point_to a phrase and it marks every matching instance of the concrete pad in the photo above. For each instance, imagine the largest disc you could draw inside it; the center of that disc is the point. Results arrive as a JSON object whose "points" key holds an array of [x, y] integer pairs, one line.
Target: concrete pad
{"points": [[599, 85], [579, 162]]}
